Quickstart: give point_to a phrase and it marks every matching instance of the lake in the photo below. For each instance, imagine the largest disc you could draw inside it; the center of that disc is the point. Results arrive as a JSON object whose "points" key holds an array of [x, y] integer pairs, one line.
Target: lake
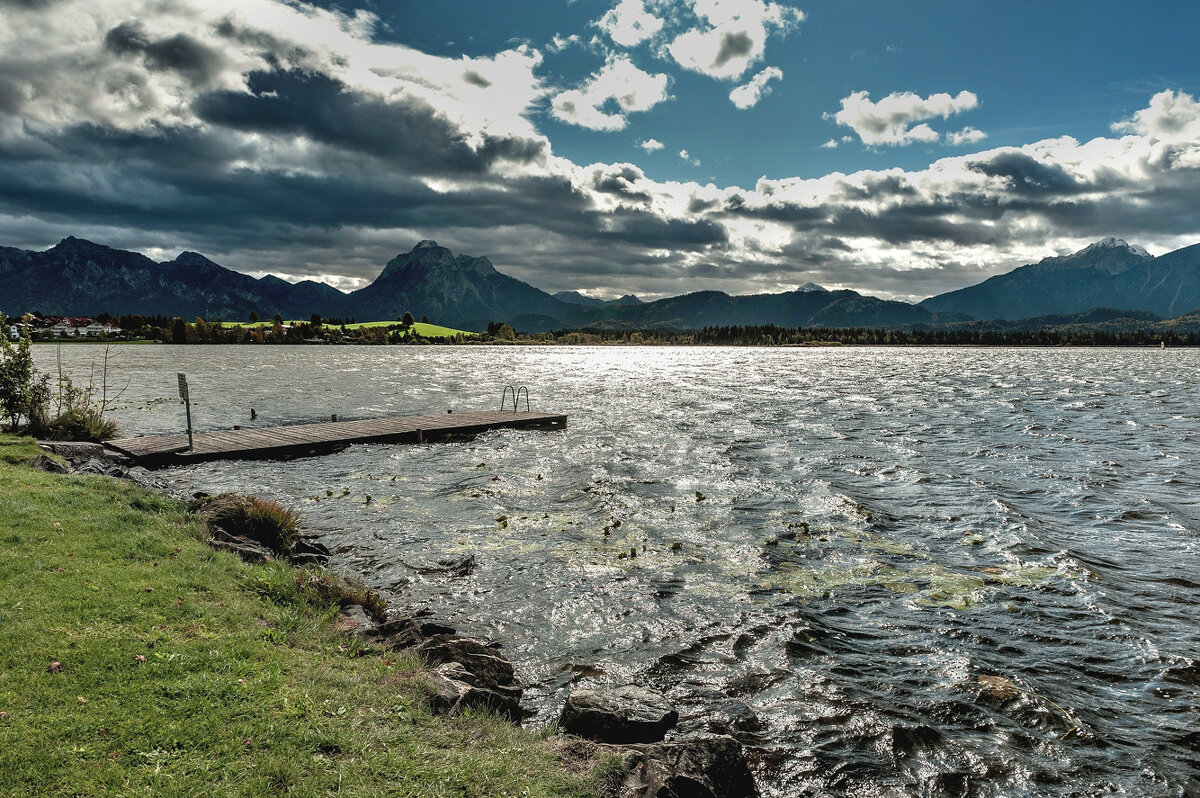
{"points": [[925, 571]]}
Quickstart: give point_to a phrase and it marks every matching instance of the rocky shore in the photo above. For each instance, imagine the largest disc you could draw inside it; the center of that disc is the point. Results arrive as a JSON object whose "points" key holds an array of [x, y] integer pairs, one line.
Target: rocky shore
{"points": [[632, 729]]}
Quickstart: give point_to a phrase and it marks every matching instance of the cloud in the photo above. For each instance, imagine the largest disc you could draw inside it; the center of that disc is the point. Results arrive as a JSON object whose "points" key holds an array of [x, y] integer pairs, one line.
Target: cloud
{"points": [[892, 120], [629, 23], [731, 35], [968, 135], [603, 102], [748, 95], [1171, 116], [830, 145], [278, 136]]}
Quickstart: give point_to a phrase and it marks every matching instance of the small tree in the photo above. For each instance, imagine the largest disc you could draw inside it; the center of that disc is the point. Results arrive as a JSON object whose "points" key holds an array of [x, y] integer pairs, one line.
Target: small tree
{"points": [[407, 320], [316, 319], [253, 316]]}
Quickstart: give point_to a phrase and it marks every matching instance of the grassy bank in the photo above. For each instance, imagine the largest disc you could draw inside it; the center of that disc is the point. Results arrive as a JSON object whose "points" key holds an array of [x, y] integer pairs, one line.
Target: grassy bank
{"points": [[135, 660]]}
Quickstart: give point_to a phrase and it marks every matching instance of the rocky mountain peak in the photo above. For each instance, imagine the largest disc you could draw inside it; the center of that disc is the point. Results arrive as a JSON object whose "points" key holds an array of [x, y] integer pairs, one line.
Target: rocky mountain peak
{"points": [[1114, 243]]}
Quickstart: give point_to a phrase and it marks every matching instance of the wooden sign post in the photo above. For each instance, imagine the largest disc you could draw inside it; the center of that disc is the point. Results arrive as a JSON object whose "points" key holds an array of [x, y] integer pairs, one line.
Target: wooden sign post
{"points": [[183, 394]]}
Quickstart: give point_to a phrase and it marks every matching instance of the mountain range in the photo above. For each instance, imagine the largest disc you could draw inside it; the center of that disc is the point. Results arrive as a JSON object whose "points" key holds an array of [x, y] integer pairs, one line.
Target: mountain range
{"points": [[81, 278]]}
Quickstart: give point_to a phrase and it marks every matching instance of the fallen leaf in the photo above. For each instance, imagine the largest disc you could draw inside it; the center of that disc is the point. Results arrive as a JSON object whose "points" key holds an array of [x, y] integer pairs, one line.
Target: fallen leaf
{"points": [[149, 590], [4, 716], [81, 699], [139, 657], [54, 667]]}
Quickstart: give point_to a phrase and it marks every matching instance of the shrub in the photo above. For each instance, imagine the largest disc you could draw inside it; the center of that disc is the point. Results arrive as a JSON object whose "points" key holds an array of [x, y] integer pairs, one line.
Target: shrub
{"points": [[261, 520]]}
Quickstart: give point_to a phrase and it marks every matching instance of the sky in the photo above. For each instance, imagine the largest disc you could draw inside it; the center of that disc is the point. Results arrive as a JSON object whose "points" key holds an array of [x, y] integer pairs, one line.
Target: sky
{"points": [[899, 149]]}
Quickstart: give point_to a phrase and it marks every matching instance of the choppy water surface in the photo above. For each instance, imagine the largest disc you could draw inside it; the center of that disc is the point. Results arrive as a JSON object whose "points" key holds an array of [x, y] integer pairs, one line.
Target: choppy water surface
{"points": [[927, 571]]}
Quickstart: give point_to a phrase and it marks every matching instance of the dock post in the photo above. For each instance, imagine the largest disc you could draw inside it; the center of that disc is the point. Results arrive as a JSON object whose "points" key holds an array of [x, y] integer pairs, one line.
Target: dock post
{"points": [[187, 400]]}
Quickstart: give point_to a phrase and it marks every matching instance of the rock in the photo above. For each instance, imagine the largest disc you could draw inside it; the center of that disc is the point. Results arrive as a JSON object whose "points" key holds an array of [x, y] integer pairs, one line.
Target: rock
{"points": [[618, 715], [77, 450], [451, 565], [454, 692], [401, 633], [355, 619], [94, 465], [709, 767], [309, 551], [48, 464], [484, 662], [247, 550], [732, 717]]}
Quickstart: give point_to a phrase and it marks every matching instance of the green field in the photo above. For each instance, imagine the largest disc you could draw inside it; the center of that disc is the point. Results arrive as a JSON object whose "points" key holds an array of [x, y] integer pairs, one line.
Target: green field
{"points": [[420, 328], [182, 671]]}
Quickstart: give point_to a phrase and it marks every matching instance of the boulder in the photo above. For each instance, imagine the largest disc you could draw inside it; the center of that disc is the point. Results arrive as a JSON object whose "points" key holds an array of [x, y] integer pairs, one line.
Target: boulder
{"points": [[707, 767], [401, 633], [482, 661], [618, 715], [48, 464], [247, 549], [455, 690], [77, 450]]}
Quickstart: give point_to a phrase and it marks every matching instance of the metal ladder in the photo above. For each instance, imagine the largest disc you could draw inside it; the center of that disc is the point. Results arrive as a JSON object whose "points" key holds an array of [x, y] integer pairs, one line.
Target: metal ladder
{"points": [[516, 395]]}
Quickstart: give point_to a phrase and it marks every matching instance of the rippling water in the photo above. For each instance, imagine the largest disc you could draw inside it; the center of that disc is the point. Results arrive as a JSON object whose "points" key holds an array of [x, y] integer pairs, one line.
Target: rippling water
{"points": [[926, 571]]}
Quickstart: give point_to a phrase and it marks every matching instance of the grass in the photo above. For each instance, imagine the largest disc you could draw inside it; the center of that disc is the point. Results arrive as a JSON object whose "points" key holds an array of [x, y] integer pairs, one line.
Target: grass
{"points": [[184, 671], [421, 328]]}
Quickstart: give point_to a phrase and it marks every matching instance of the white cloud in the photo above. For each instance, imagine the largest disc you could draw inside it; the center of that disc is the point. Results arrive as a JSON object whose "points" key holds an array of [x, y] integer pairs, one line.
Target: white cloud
{"points": [[559, 43], [732, 35], [651, 145], [619, 82], [968, 135], [891, 120], [830, 145], [748, 95], [1171, 116], [629, 23], [685, 155]]}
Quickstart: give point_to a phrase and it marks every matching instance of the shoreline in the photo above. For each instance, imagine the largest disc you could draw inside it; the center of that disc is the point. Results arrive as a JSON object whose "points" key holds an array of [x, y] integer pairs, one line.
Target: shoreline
{"points": [[459, 683]]}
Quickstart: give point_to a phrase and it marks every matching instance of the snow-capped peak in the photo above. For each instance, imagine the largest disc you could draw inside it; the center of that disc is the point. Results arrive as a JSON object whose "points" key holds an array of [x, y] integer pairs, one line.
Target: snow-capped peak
{"points": [[1112, 242]]}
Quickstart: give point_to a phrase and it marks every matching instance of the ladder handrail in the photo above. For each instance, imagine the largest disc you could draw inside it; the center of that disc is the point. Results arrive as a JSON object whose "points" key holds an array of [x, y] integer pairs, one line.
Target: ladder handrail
{"points": [[516, 394]]}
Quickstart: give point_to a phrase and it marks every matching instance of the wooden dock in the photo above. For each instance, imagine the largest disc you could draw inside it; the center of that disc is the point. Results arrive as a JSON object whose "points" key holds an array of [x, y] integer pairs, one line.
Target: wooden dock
{"points": [[303, 440]]}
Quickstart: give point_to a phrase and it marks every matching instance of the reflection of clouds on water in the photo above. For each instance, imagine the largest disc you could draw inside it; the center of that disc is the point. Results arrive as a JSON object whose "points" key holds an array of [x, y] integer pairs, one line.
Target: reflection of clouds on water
{"points": [[844, 540]]}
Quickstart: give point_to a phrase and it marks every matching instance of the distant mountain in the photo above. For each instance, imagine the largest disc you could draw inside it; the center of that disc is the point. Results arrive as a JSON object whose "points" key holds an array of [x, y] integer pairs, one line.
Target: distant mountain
{"points": [[1109, 273], [576, 298], [81, 278], [801, 308], [455, 291]]}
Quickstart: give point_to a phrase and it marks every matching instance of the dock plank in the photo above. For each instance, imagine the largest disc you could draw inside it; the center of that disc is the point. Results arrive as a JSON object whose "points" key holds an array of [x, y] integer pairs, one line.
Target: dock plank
{"points": [[294, 440]]}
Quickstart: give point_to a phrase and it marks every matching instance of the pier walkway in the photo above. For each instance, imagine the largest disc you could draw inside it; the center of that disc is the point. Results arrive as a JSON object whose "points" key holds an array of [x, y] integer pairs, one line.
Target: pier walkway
{"points": [[302, 440]]}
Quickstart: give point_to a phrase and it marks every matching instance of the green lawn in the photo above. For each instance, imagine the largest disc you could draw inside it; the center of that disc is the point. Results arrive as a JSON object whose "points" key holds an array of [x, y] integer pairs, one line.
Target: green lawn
{"points": [[184, 671]]}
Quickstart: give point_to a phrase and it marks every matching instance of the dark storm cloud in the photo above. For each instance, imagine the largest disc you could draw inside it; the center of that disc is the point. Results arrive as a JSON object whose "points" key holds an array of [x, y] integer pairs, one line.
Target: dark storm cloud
{"points": [[619, 180], [1026, 175], [733, 45], [407, 132], [179, 53], [11, 96], [277, 52], [648, 230], [28, 4]]}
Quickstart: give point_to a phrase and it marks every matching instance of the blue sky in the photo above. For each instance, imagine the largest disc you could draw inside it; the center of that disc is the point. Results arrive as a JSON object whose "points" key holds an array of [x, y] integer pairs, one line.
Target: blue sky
{"points": [[614, 146]]}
